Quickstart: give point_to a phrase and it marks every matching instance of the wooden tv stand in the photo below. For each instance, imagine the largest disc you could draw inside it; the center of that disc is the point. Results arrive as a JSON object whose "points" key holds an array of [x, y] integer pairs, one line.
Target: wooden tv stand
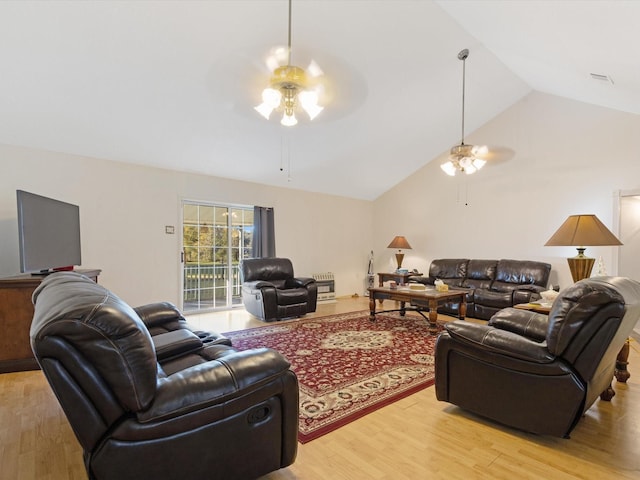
{"points": [[16, 313]]}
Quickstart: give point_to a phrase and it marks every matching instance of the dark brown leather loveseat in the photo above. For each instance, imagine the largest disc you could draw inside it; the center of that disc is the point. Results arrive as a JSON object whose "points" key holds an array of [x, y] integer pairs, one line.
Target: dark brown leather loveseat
{"points": [[535, 372], [172, 405], [492, 284]]}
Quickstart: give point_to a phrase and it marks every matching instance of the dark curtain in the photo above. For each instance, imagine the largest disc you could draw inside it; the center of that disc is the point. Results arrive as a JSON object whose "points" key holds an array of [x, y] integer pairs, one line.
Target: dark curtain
{"points": [[264, 238]]}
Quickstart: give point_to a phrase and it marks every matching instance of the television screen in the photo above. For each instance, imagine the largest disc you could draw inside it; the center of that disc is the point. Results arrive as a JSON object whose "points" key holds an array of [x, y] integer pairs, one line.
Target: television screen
{"points": [[49, 233]]}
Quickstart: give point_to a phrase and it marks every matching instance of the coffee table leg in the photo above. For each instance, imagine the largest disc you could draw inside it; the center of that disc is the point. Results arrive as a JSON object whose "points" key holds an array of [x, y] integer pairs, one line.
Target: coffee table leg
{"points": [[372, 307], [463, 308], [433, 317], [403, 310]]}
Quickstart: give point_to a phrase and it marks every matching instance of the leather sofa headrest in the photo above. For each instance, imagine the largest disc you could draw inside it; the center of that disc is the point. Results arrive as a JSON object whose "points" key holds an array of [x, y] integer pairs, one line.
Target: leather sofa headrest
{"points": [[266, 269], [448, 268], [523, 272], [577, 305]]}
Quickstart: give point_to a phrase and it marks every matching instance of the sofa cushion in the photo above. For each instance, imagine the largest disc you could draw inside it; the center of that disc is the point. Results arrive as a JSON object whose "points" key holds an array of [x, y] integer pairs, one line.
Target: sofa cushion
{"points": [[521, 272], [451, 271], [480, 273]]}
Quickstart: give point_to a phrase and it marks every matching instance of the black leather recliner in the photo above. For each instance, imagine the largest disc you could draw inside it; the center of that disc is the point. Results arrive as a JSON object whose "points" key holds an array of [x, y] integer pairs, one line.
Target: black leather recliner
{"points": [[271, 292], [189, 409], [535, 372]]}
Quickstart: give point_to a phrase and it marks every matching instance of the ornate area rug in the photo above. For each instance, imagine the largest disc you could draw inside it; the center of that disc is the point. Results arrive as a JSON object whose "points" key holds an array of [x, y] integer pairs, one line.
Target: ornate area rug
{"points": [[348, 366]]}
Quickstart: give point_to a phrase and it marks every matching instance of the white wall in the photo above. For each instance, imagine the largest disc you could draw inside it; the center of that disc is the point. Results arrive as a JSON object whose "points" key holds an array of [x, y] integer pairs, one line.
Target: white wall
{"points": [[124, 209], [557, 157]]}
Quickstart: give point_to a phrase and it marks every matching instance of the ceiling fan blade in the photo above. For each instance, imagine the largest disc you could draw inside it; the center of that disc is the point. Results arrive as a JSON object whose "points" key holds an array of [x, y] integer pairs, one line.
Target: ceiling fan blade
{"points": [[496, 154]]}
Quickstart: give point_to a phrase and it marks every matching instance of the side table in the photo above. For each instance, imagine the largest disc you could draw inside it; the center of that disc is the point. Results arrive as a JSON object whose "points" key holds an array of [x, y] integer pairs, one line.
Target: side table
{"points": [[401, 278], [534, 307]]}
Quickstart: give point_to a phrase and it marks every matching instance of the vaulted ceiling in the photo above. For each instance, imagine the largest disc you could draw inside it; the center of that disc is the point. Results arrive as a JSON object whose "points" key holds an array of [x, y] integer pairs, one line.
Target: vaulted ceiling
{"points": [[172, 84]]}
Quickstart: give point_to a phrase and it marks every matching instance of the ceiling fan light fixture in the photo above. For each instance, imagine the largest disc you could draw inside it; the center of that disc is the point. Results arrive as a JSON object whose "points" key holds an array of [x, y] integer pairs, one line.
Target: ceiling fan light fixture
{"points": [[289, 120], [478, 163], [264, 110], [270, 100], [271, 97], [449, 168], [480, 150], [464, 158], [309, 102], [460, 151], [289, 88]]}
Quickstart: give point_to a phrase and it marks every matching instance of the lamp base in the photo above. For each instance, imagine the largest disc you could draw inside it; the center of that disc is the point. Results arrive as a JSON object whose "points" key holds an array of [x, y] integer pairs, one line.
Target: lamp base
{"points": [[580, 266], [399, 257]]}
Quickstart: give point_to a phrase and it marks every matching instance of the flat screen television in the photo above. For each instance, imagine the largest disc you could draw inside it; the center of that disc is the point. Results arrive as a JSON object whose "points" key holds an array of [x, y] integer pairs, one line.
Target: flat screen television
{"points": [[49, 234]]}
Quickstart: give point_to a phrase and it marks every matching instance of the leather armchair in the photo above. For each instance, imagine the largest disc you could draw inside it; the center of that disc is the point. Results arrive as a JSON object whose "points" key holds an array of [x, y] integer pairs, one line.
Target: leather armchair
{"points": [[208, 411], [535, 372], [271, 292]]}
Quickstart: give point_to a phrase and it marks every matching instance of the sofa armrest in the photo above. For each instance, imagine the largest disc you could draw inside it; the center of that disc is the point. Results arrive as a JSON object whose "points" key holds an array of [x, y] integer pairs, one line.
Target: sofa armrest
{"points": [[522, 322], [160, 313], [257, 285], [423, 280], [499, 341], [299, 282], [531, 288], [214, 383], [175, 343], [520, 293], [526, 293]]}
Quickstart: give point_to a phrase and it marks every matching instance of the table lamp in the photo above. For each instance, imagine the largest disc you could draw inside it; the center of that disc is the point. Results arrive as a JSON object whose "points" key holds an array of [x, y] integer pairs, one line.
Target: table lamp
{"points": [[399, 242], [582, 231]]}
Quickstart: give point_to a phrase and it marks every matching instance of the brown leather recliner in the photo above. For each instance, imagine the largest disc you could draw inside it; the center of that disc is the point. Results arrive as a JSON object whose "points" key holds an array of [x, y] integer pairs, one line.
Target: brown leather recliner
{"points": [[188, 410], [270, 291], [535, 372]]}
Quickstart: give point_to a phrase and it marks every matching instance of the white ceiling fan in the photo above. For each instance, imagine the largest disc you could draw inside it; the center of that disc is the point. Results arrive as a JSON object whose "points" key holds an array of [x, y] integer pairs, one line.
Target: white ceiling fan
{"points": [[291, 88], [465, 158]]}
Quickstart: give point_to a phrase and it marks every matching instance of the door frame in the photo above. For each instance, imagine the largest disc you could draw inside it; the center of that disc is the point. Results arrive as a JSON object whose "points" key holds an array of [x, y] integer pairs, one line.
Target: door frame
{"points": [[617, 221], [181, 260]]}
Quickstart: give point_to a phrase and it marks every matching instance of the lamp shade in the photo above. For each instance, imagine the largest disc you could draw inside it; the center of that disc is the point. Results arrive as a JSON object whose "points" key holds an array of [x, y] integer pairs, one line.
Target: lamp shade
{"points": [[399, 242], [582, 231]]}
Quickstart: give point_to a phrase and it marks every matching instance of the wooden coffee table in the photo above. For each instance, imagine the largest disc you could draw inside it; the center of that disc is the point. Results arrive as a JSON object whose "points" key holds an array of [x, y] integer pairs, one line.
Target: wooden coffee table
{"points": [[406, 294]]}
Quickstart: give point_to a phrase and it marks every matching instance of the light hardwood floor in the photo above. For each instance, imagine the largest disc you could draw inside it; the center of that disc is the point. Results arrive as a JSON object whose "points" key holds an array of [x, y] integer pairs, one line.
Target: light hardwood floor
{"points": [[414, 438]]}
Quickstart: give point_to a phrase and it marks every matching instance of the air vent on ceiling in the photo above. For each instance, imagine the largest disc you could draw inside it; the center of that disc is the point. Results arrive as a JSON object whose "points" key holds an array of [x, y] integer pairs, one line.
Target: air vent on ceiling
{"points": [[602, 78]]}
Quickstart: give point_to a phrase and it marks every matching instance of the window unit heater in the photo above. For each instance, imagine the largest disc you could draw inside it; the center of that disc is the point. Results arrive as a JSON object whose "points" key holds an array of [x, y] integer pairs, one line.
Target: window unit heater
{"points": [[326, 287]]}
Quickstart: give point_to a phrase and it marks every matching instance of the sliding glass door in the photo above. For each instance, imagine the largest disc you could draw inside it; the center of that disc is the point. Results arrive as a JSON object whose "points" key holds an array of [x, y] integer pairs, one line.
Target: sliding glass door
{"points": [[215, 238]]}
